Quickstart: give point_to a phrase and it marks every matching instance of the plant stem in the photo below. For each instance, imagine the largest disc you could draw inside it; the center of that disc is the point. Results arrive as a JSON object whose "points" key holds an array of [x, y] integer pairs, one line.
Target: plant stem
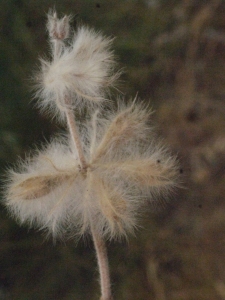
{"points": [[103, 265], [57, 47], [99, 243], [75, 136]]}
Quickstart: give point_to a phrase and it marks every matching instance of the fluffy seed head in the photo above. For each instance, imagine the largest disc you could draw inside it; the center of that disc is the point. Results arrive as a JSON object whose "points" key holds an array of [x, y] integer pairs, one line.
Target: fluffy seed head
{"points": [[80, 70], [124, 170]]}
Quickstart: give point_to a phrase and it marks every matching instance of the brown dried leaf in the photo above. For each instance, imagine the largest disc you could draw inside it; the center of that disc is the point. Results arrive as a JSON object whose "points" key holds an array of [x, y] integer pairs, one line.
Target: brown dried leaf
{"points": [[39, 186], [112, 204], [126, 125], [147, 172]]}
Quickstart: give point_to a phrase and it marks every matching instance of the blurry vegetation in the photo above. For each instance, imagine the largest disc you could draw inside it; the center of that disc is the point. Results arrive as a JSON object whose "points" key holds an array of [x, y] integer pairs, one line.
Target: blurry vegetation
{"points": [[173, 53]]}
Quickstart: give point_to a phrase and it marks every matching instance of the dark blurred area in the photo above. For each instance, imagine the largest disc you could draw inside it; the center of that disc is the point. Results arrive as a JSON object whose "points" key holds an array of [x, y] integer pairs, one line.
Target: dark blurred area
{"points": [[173, 54]]}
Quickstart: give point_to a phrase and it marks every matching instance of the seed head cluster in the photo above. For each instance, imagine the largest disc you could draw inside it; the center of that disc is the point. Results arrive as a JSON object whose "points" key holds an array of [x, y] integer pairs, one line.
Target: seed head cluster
{"points": [[81, 68], [125, 167]]}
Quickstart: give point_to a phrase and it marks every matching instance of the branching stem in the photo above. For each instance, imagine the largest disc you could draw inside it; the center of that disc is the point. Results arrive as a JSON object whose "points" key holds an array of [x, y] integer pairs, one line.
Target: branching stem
{"points": [[99, 243]]}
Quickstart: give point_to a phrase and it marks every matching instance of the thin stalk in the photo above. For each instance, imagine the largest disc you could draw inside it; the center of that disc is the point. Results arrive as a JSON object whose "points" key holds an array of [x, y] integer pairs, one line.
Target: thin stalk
{"points": [[76, 138], [57, 48], [103, 265]]}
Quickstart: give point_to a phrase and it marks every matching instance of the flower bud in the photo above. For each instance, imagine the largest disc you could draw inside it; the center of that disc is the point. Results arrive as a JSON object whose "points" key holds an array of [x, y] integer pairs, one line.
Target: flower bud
{"points": [[58, 28]]}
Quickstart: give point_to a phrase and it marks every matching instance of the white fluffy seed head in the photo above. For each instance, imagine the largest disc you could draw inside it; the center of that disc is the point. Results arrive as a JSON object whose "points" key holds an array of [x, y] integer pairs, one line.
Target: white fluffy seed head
{"points": [[124, 171], [80, 71]]}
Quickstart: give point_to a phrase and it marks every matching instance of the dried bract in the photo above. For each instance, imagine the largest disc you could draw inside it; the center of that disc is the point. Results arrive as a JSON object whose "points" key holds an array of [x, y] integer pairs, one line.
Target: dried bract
{"points": [[58, 29]]}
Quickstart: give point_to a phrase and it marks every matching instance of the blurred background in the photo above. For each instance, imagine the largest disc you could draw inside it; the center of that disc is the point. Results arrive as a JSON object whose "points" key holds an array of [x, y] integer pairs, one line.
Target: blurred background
{"points": [[173, 54]]}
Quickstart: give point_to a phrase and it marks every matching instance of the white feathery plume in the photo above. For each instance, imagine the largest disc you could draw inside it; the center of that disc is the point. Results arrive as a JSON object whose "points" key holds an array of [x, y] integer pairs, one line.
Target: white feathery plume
{"points": [[123, 171], [81, 69]]}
